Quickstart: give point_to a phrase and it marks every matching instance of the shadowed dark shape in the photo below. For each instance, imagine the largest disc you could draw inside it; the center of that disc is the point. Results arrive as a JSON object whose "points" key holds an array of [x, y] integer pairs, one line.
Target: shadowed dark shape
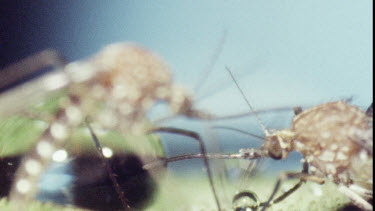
{"points": [[8, 166], [93, 188]]}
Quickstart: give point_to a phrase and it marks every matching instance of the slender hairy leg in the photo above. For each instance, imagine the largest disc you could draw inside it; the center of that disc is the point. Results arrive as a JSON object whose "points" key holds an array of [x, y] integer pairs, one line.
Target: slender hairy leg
{"points": [[303, 176], [154, 164], [305, 170], [197, 137], [120, 193]]}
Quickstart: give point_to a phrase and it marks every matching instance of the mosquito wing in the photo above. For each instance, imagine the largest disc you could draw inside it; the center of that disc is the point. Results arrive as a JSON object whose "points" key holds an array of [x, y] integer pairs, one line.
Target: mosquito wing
{"points": [[30, 80]]}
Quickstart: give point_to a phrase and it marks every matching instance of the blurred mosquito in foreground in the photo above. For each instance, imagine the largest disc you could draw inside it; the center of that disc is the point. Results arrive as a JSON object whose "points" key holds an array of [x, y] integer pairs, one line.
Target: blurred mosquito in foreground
{"points": [[336, 140], [114, 89]]}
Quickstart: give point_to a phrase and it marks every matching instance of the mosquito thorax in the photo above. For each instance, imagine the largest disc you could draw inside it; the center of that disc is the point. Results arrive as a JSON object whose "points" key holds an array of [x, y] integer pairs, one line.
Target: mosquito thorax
{"points": [[326, 136]]}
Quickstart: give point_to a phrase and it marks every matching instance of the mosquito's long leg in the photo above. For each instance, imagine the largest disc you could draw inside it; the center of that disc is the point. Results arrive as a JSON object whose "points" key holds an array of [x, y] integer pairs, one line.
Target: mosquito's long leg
{"points": [[243, 154], [197, 137], [106, 164], [48, 148], [286, 176], [297, 110], [250, 154], [15, 96], [36, 161], [223, 156], [281, 197], [305, 170]]}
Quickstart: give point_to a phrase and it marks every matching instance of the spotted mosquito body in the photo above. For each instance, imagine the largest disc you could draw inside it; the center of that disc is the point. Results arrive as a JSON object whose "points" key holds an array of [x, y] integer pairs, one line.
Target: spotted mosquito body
{"points": [[336, 141], [115, 89], [326, 136]]}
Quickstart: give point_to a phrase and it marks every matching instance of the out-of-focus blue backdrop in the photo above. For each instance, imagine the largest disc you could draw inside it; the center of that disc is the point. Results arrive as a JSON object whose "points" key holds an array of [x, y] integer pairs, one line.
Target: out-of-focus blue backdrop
{"points": [[284, 53]]}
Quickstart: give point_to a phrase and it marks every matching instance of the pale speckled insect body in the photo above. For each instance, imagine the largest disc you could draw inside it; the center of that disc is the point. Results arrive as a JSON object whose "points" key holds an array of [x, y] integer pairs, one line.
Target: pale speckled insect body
{"points": [[326, 136], [115, 88], [336, 141], [128, 80], [329, 136]]}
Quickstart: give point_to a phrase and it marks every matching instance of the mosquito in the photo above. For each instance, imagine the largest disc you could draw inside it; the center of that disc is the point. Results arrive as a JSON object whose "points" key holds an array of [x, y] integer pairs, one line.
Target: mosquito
{"points": [[115, 88], [335, 140]]}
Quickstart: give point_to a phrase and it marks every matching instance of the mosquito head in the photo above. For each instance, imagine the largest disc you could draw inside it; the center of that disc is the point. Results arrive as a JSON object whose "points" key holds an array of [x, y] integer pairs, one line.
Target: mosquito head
{"points": [[278, 144], [138, 77], [180, 102]]}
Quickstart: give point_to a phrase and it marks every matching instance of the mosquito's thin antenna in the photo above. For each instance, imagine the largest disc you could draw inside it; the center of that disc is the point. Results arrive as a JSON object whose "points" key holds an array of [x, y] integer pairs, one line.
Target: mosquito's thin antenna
{"points": [[238, 130], [122, 197], [247, 101], [212, 63]]}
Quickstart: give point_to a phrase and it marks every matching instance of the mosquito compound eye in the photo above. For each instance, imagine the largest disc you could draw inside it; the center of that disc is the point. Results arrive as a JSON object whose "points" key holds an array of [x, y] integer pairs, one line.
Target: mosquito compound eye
{"points": [[273, 145], [245, 201]]}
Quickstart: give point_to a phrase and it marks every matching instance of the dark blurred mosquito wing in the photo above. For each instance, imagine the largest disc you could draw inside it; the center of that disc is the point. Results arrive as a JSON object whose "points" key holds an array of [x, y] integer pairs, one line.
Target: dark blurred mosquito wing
{"points": [[92, 187], [8, 166], [30, 80]]}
